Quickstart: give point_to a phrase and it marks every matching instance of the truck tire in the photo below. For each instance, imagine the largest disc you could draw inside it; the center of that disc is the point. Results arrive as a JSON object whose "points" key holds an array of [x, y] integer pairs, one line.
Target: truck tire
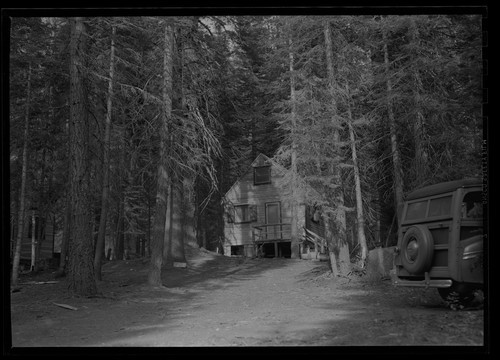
{"points": [[460, 296], [417, 249]]}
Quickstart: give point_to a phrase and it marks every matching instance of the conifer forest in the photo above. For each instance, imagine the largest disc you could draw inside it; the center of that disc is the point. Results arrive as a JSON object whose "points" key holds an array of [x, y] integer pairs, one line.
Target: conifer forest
{"points": [[126, 132]]}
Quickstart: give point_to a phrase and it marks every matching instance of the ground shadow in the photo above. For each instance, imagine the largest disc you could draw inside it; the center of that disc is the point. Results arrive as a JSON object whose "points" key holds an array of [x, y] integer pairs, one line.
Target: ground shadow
{"points": [[182, 292]]}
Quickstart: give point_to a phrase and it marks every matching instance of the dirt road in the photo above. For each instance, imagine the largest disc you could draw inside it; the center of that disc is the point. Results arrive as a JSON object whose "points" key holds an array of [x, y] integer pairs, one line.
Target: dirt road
{"points": [[221, 301]]}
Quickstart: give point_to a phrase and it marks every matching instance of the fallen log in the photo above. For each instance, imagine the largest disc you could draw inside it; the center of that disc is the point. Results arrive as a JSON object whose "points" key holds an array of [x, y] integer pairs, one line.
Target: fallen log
{"points": [[39, 282], [65, 306]]}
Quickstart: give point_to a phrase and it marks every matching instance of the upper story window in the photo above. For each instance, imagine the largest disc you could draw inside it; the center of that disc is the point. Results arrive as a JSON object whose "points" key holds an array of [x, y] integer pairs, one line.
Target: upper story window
{"points": [[262, 175]]}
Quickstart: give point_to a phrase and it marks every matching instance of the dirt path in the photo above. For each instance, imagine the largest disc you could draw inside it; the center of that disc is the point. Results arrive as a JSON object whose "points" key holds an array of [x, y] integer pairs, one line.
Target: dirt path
{"points": [[221, 301]]}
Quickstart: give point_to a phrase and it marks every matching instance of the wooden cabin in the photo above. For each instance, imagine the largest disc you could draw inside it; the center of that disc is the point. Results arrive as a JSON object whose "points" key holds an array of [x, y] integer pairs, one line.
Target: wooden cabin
{"points": [[257, 219]]}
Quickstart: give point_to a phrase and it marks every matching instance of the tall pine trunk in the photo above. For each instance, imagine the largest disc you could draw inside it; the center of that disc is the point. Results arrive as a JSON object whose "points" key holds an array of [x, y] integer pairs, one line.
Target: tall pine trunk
{"points": [[173, 251], [294, 197], [81, 270], [99, 251], [176, 219], [359, 196], [119, 241], [158, 233], [188, 213], [13, 220], [167, 238], [339, 246], [33, 240], [178, 254], [396, 162], [42, 211], [421, 157], [66, 235], [24, 171]]}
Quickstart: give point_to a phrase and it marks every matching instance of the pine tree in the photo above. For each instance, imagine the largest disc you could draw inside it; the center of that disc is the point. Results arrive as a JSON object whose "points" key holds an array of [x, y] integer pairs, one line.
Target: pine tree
{"points": [[81, 271], [163, 193], [100, 245], [20, 225]]}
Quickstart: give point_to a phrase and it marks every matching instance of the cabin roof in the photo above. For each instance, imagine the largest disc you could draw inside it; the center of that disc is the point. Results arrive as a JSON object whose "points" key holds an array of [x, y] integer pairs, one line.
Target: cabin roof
{"points": [[262, 160]]}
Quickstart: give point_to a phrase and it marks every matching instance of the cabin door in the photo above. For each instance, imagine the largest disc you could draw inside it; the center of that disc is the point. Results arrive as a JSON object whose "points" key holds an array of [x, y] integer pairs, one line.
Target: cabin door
{"points": [[273, 216]]}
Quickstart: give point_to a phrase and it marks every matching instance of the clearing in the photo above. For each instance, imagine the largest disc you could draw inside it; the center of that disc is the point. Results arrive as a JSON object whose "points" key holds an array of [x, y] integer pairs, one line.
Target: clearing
{"points": [[230, 301]]}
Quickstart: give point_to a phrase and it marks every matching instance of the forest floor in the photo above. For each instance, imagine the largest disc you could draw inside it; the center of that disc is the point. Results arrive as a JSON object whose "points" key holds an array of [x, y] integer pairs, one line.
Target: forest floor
{"points": [[220, 301]]}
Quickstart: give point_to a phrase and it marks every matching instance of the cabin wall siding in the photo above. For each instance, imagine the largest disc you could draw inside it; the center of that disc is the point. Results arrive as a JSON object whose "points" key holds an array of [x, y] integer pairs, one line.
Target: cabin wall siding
{"points": [[245, 192]]}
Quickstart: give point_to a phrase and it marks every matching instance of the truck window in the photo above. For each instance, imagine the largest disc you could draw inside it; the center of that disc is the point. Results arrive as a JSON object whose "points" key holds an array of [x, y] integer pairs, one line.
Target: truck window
{"points": [[416, 210], [440, 206], [472, 205]]}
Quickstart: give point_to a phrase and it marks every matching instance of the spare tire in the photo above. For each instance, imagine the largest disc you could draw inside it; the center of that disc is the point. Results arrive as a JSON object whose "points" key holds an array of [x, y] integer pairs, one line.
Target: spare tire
{"points": [[417, 249]]}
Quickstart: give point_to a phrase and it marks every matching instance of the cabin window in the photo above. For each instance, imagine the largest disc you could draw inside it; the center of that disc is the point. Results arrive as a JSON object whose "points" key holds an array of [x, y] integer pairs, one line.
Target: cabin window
{"points": [[245, 213], [262, 175]]}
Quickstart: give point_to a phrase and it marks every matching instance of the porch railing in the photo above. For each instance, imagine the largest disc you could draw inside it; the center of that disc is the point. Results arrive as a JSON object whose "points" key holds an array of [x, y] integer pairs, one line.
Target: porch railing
{"points": [[271, 232], [318, 241]]}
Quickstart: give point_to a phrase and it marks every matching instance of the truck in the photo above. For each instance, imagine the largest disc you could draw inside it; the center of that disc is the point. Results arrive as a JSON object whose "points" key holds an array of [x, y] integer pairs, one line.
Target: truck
{"points": [[441, 240]]}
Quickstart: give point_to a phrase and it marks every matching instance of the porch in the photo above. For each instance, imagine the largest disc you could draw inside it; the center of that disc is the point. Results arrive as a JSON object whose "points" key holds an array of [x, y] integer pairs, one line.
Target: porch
{"points": [[272, 240]]}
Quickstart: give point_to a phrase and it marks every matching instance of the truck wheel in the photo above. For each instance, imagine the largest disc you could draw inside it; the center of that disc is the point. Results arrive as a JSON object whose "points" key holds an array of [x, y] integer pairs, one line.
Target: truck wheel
{"points": [[460, 296], [417, 249]]}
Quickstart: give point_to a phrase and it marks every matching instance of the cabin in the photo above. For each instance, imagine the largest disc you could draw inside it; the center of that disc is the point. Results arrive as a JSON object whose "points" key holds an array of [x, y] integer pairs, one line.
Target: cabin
{"points": [[257, 219]]}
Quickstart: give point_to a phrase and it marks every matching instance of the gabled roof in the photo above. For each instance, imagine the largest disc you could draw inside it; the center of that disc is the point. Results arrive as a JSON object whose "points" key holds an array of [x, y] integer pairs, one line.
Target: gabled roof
{"points": [[260, 160], [263, 160]]}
